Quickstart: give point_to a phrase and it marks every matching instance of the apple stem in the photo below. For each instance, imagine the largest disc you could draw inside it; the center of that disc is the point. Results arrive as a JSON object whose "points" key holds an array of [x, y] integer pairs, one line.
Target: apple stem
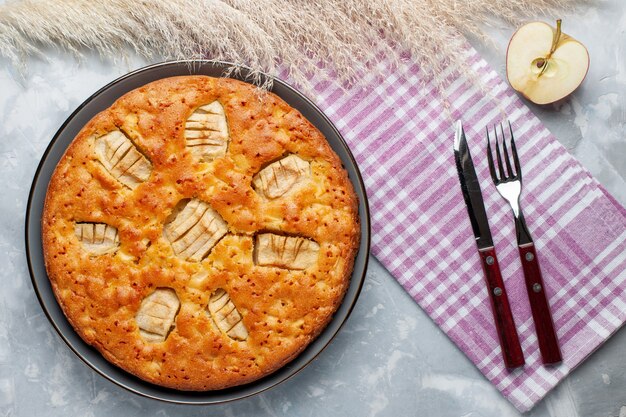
{"points": [[555, 41], [556, 38]]}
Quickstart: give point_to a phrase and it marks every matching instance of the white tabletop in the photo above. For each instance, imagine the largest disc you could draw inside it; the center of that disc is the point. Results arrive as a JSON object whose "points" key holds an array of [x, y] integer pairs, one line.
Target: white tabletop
{"points": [[389, 359]]}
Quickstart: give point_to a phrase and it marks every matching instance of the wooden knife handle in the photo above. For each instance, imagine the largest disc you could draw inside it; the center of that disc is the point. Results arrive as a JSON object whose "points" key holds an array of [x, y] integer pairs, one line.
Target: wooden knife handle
{"points": [[505, 325], [548, 342]]}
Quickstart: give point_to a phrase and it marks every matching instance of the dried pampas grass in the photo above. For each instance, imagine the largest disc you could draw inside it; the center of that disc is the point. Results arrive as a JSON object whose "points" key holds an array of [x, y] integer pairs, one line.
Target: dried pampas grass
{"points": [[342, 38]]}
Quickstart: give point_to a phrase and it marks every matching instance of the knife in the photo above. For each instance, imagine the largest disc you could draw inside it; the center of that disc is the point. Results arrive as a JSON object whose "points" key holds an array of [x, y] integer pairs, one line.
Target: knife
{"points": [[505, 325]]}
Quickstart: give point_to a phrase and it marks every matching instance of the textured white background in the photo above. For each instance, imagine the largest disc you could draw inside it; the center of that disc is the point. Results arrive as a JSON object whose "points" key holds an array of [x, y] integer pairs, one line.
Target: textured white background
{"points": [[360, 373]]}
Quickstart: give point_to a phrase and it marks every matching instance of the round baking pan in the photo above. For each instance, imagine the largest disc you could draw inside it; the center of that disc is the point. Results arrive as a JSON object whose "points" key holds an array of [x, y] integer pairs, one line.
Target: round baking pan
{"points": [[34, 251]]}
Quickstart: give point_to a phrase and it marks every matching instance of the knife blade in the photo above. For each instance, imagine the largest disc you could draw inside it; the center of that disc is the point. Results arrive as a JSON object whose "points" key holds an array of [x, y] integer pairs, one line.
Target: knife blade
{"points": [[470, 188]]}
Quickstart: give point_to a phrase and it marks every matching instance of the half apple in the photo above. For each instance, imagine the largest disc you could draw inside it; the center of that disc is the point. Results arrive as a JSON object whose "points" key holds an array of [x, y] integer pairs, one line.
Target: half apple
{"points": [[544, 64]]}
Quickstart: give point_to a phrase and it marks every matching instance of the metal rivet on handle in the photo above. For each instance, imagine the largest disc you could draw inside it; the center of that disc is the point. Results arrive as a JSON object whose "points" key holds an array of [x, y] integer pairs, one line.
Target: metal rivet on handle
{"points": [[497, 291], [536, 287], [489, 260], [529, 256]]}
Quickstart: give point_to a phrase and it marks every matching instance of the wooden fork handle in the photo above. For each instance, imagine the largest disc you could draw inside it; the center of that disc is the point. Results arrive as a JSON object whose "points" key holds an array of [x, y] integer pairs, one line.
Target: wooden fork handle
{"points": [[548, 342], [505, 325]]}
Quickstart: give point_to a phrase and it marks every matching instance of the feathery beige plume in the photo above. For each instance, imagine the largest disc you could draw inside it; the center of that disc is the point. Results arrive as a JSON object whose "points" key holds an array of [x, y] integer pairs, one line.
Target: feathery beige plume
{"points": [[338, 38]]}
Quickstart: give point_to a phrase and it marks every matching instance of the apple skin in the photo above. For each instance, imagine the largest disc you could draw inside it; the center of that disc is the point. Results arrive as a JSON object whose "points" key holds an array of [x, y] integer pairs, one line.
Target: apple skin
{"points": [[567, 68]]}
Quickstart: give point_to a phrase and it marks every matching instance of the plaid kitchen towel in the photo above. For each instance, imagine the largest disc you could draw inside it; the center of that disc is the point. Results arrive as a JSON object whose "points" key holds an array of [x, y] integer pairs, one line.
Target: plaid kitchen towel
{"points": [[401, 132]]}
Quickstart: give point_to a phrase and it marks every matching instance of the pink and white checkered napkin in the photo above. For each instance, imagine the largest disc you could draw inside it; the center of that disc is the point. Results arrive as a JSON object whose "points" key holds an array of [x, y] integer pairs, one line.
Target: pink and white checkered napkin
{"points": [[402, 139]]}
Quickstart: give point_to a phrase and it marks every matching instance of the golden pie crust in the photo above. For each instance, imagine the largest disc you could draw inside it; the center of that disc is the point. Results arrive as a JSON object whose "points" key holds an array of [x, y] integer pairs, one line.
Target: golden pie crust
{"points": [[198, 233]]}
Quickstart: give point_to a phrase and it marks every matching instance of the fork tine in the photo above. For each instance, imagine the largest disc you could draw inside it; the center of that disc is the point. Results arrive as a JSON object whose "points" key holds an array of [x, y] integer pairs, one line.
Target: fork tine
{"points": [[518, 168], [492, 168], [506, 154], [500, 167]]}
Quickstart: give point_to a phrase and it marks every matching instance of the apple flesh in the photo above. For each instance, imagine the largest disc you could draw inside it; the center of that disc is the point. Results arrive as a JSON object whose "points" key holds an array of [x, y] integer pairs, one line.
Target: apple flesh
{"points": [[543, 64]]}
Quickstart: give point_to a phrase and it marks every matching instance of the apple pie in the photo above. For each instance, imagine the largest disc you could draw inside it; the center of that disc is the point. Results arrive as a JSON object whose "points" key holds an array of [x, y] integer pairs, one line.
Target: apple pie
{"points": [[199, 233]]}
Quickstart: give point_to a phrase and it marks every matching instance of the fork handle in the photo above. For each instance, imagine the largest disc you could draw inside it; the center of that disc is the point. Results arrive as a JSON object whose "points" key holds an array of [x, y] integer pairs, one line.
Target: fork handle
{"points": [[505, 325], [548, 342]]}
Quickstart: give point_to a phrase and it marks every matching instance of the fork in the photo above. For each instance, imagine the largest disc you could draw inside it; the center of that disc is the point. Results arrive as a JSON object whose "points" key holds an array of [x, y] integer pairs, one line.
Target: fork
{"points": [[509, 184]]}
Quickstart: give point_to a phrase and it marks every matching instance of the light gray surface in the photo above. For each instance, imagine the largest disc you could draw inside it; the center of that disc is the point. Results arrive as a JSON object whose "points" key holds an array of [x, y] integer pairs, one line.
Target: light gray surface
{"points": [[390, 359]]}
